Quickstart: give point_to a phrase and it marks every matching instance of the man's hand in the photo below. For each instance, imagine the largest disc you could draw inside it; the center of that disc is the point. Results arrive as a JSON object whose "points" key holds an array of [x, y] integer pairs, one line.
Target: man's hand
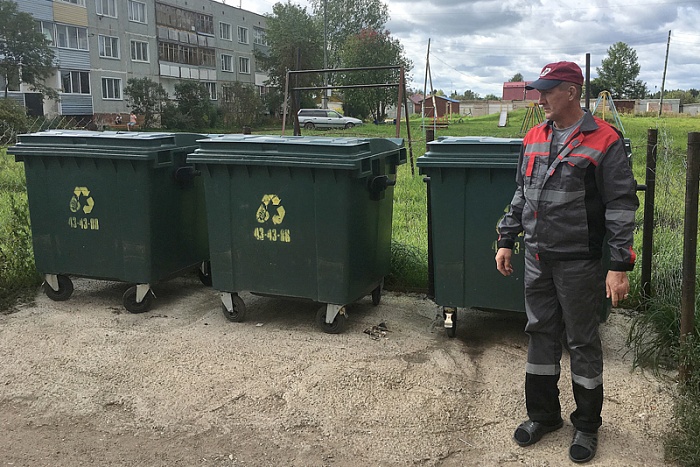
{"points": [[503, 261], [617, 286]]}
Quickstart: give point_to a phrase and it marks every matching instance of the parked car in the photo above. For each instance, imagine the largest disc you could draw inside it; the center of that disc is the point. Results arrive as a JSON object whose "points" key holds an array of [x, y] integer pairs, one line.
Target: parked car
{"points": [[321, 118]]}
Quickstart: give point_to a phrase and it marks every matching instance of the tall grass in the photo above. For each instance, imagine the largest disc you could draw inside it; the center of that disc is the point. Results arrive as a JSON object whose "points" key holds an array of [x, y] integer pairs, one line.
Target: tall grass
{"points": [[18, 276]]}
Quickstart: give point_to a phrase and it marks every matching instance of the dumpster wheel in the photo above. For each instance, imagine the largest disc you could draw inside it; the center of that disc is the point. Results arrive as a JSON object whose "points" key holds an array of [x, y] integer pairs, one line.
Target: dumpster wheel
{"points": [[204, 273], [237, 313], [338, 324], [450, 315], [133, 306], [65, 288]]}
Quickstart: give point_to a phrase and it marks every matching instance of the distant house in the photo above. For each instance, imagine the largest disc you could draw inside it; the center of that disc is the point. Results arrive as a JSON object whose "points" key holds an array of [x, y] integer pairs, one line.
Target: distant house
{"points": [[445, 106], [515, 91]]}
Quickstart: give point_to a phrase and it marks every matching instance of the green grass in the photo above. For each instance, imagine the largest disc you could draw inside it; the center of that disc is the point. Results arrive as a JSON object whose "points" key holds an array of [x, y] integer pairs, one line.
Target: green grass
{"points": [[18, 276]]}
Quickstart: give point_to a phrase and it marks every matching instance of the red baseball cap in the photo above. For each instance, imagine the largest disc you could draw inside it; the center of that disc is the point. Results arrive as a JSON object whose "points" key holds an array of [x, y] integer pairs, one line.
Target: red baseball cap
{"points": [[556, 73]]}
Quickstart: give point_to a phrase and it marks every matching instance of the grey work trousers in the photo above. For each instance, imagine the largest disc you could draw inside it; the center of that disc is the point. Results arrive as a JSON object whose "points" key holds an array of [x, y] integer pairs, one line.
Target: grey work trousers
{"points": [[563, 300]]}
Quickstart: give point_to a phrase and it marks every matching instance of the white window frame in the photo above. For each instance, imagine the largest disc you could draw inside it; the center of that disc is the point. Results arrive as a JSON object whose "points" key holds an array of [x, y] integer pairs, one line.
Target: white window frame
{"points": [[211, 87], [225, 28], [137, 15], [71, 32], [259, 36], [74, 2], [227, 63], [136, 47], [111, 86], [75, 76], [244, 65], [242, 35], [47, 29], [108, 46], [111, 8]]}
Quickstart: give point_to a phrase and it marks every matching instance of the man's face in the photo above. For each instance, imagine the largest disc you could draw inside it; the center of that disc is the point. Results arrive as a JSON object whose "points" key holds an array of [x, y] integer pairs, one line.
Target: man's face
{"points": [[556, 101]]}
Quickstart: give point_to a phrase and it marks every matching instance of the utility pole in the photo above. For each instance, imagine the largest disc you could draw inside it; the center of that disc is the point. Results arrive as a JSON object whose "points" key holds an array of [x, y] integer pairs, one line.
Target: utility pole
{"points": [[663, 80], [324, 98]]}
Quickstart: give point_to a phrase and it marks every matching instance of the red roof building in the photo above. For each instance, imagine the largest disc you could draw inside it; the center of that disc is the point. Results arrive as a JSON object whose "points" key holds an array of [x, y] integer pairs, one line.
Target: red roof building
{"points": [[515, 91]]}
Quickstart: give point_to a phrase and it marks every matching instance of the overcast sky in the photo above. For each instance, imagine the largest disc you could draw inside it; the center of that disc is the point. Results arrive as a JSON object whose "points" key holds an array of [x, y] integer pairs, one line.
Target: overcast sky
{"points": [[478, 45]]}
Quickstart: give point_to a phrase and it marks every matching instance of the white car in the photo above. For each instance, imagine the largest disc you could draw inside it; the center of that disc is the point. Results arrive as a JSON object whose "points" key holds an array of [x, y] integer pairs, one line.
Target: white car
{"points": [[320, 118]]}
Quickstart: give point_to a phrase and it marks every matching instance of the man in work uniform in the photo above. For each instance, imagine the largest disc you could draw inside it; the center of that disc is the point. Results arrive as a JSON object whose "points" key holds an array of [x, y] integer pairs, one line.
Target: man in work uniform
{"points": [[574, 185]]}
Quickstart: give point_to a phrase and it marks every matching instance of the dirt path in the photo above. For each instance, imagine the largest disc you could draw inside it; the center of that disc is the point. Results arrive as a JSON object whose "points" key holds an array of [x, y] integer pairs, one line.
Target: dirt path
{"points": [[83, 382]]}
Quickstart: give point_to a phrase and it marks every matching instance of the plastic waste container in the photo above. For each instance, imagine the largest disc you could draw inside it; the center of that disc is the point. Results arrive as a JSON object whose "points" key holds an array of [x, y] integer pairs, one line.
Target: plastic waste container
{"points": [[120, 206], [302, 217], [471, 182]]}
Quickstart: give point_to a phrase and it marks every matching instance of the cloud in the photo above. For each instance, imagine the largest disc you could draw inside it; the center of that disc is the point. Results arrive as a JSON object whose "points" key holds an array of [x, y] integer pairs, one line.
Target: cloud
{"points": [[478, 45]]}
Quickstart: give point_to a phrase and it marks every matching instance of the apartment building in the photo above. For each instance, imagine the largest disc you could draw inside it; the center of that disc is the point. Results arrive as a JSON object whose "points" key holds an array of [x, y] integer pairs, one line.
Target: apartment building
{"points": [[101, 44]]}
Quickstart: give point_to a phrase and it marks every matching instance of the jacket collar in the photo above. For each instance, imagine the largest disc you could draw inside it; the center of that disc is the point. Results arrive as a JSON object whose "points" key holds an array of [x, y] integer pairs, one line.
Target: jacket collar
{"points": [[588, 124]]}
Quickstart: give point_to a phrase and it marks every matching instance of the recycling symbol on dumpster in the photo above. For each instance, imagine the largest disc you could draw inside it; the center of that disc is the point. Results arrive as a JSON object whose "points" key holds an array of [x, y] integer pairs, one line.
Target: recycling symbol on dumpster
{"points": [[270, 206], [81, 200]]}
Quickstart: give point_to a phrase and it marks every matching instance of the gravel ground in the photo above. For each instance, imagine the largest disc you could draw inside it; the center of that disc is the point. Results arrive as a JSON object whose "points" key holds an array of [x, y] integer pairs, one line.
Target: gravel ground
{"points": [[83, 382]]}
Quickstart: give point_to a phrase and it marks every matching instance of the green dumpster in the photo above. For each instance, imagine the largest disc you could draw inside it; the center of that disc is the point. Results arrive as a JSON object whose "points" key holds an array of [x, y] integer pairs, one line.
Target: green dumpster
{"points": [[120, 206], [471, 183], [301, 217]]}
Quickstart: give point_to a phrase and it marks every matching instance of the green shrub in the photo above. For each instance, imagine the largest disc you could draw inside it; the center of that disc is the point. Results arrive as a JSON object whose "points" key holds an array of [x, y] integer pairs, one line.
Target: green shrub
{"points": [[13, 120]]}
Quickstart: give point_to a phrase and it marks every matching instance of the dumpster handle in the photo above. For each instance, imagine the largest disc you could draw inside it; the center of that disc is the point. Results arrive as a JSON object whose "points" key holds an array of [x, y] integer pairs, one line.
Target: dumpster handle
{"points": [[184, 175], [380, 183]]}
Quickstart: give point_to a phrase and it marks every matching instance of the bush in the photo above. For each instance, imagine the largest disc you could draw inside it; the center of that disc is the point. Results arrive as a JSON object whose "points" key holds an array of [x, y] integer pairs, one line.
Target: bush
{"points": [[13, 120]]}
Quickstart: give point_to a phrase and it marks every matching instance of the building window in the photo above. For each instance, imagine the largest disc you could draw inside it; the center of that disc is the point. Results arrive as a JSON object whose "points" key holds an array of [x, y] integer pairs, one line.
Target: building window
{"points": [[70, 37], [75, 82], [137, 11], [109, 46], [46, 29], [225, 31], [74, 2], [244, 65], [139, 51], [111, 88], [211, 87], [242, 35], [106, 7], [226, 62], [204, 24], [259, 36], [207, 58]]}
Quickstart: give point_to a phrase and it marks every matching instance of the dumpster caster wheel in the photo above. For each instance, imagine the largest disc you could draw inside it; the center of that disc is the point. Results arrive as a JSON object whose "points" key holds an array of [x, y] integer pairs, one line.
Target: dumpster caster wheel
{"points": [[65, 289], [338, 324], [130, 303], [238, 313], [377, 295], [204, 272], [450, 315]]}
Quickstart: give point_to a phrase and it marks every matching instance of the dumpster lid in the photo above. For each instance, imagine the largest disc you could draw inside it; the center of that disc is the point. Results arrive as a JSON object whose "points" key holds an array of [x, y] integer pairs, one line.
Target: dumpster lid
{"points": [[345, 153], [112, 144], [471, 151]]}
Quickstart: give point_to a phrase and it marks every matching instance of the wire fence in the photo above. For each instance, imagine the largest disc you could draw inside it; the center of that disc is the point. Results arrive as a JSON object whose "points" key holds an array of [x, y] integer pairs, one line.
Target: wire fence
{"points": [[9, 132]]}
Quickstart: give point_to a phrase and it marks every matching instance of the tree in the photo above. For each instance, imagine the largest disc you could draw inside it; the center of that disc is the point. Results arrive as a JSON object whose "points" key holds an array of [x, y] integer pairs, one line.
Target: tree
{"points": [[491, 97], [193, 104], [517, 78], [240, 104], [25, 53], [145, 97], [371, 48], [618, 73], [686, 97], [470, 95], [292, 35], [346, 18]]}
